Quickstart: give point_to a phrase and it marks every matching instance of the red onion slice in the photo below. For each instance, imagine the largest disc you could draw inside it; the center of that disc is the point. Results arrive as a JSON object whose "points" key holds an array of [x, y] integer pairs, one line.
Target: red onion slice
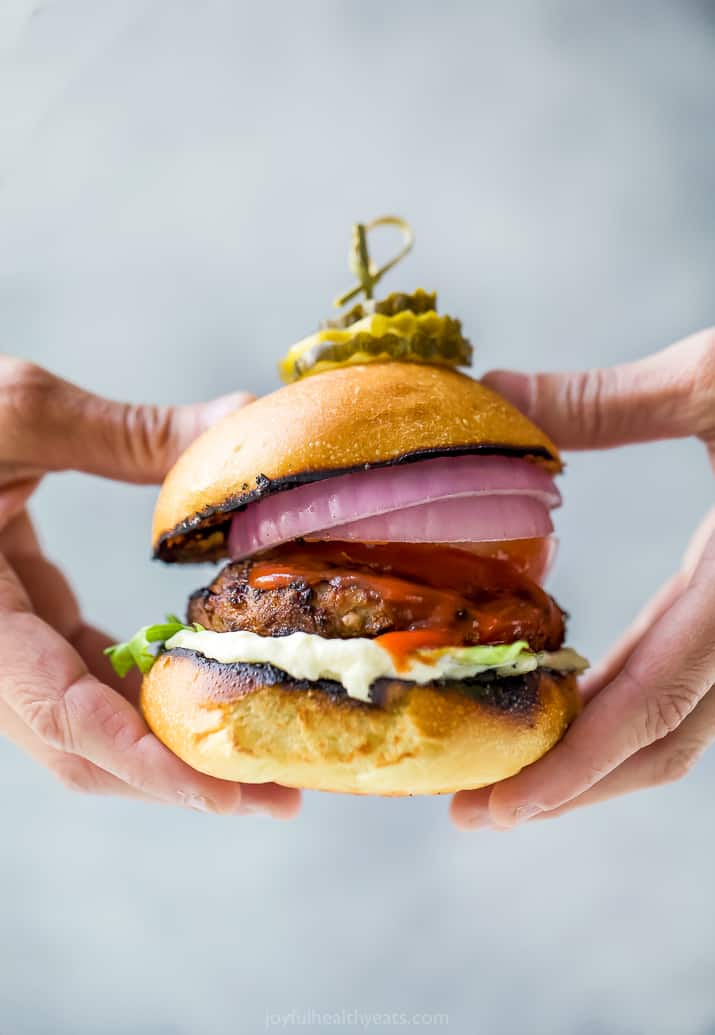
{"points": [[324, 505], [464, 519]]}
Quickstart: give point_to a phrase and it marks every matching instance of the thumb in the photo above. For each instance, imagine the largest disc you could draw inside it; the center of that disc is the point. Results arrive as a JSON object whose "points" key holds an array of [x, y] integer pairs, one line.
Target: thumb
{"points": [[149, 438], [47, 424], [668, 395]]}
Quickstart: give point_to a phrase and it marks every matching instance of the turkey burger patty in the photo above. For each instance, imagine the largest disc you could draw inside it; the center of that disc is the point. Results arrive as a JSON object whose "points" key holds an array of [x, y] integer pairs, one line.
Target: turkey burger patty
{"points": [[343, 591]]}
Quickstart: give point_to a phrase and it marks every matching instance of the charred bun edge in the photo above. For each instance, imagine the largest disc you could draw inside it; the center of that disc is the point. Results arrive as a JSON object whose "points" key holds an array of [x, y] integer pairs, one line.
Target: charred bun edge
{"points": [[515, 695], [202, 536], [234, 722]]}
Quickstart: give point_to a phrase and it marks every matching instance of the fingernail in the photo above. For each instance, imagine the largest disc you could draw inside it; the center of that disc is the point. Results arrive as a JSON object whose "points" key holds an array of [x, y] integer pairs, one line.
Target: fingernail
{"points": [[251, 808], [475, 821], [513, 386], [197, 802], [254, 802], [526, 812], [268, 800], [214, 410]]}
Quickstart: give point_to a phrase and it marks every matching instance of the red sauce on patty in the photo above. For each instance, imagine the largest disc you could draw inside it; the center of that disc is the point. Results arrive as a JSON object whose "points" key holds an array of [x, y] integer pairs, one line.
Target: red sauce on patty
{"points": [[447, 595]]}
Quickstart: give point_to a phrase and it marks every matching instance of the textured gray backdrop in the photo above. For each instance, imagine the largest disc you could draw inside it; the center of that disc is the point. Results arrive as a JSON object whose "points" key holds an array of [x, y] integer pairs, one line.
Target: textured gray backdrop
{"points": [[177, 185]]}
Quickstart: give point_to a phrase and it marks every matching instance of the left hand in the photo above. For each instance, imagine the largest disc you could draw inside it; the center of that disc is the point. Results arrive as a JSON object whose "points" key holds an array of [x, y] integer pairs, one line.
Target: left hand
{"points": [[650, 706], [60, 700]]}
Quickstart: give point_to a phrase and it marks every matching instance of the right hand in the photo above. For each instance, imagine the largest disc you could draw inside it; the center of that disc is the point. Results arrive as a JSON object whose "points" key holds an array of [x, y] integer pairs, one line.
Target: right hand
{"points": [[650, 705], [60, 700]]}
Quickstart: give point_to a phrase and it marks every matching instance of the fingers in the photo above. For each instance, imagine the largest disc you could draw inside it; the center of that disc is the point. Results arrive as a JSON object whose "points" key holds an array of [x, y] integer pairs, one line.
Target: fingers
{"points": [[664, 762], [52, 599], [607, 670], [669, 672], [90, 644], [666, 597], [469, 810], [80, 775], [18, 537], [76, 774], [14, 497], [50, 594], [44, 681], [698, 543], [279, 802], [49, 424], [48, 687], [69, 710], [668, 395]]}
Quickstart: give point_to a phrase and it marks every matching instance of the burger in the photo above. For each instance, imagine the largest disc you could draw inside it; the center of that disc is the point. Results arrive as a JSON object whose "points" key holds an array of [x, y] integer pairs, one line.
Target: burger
{"points": [[378, 625]]}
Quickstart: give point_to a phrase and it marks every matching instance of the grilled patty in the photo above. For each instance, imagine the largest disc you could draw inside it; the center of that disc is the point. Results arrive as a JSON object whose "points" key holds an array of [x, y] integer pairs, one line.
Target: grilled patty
{"points": [[347, 604]]}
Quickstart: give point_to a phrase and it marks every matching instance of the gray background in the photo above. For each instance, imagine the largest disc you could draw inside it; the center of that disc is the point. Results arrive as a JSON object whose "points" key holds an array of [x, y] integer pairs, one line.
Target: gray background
{"points": [[178, 181]]}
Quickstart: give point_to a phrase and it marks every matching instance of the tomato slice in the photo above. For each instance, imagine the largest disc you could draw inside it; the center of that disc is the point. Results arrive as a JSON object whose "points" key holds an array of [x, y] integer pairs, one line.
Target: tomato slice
{"points": [[531, 557]]}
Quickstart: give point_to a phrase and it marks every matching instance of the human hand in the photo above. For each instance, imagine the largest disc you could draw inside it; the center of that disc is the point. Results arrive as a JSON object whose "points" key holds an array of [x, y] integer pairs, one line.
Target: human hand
{"points": [[650, 705], [60, 700]]}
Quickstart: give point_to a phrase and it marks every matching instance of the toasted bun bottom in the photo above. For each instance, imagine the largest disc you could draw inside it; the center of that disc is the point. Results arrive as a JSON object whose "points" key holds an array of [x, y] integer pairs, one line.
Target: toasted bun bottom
{"points": [[229, 722]]}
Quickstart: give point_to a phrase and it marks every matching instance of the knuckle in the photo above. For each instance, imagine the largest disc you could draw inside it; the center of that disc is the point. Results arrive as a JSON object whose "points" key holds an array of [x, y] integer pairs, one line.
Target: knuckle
{"points": [[5, 720], [584, 401], [46, 717], [75, 774], [148, 432], [703, 384], [706, 357], [665, 711], [678, 761], [591, 773], [584, 761], [14, 370], [22, 382], [581, 767]]}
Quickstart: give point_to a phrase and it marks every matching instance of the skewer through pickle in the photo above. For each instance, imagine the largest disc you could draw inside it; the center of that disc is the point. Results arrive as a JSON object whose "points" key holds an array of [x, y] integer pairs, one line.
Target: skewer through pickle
{"points": [[403, 327]]}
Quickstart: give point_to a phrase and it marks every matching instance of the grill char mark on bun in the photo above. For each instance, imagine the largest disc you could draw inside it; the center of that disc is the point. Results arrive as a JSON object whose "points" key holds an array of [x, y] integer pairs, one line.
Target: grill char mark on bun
{"points": [[202, 536], [435, 740], [514, 695]]}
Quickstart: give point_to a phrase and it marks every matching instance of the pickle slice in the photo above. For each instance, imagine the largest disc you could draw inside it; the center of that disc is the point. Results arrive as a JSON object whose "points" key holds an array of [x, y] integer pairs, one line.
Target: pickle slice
{"points": [[406, 336], [420, 301]]}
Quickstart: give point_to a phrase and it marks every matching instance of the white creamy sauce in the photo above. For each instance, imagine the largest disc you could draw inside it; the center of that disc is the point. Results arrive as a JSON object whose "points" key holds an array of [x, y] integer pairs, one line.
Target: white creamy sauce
{"points": [[357, 663]]}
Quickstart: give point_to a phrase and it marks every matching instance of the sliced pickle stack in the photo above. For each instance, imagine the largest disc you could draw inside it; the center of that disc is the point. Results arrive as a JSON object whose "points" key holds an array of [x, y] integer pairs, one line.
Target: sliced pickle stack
{"points": [[418, 302], [402, 327], [424, 337]]}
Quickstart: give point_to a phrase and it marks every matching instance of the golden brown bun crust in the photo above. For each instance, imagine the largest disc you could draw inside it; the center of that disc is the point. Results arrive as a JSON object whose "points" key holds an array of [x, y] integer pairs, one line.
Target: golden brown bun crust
{"points": [[331, 423], [434, 741]]}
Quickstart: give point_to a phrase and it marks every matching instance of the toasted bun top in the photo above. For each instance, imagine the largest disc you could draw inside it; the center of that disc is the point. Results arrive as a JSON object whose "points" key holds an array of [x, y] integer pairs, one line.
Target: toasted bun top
{"points": [[335, 422]]}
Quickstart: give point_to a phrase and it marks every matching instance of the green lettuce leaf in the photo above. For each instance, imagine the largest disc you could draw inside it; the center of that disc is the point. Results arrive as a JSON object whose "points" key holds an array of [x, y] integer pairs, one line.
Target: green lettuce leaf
{"points": [[493, 655], [137, 651]]}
